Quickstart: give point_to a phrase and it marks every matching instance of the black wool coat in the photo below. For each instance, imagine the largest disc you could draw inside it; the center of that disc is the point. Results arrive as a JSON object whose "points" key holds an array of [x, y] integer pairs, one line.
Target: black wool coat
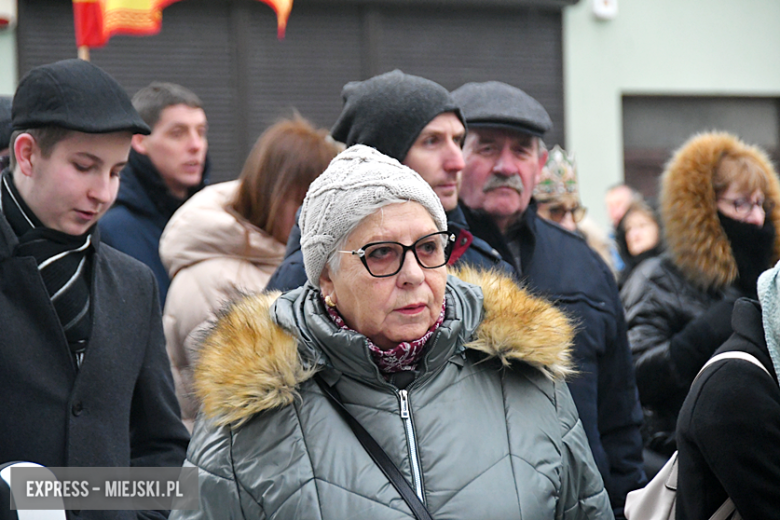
{"points": [[728, 430], [659, 303], [119, 409]]}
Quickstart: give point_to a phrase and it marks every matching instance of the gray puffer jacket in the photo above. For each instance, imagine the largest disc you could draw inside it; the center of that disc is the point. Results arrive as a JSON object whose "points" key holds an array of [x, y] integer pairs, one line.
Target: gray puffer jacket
{"points": [[492, 431]]}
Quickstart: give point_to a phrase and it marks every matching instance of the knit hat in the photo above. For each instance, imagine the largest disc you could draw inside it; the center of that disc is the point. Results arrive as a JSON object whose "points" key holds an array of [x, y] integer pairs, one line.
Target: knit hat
{"points": [[559, 177], [496, 104], [389, 111], [77, 95], [357, 177]]}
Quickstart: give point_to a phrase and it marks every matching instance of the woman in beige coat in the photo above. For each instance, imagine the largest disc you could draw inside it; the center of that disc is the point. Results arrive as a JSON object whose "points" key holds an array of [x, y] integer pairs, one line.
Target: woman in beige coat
{"points": [[229, 238]]}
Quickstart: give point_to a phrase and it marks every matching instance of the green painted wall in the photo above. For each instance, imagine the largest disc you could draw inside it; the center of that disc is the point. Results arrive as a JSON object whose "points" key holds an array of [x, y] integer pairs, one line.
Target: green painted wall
{"points": [[8, 63], [689, 47]]}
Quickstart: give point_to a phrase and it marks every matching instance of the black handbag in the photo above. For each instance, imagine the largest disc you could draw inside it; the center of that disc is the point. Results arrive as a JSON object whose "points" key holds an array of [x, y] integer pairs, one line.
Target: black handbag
{"points": [[377, 454]]}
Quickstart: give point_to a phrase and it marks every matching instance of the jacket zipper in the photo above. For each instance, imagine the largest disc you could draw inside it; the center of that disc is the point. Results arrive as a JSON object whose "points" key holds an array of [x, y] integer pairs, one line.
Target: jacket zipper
{"points": [[406, 416]]}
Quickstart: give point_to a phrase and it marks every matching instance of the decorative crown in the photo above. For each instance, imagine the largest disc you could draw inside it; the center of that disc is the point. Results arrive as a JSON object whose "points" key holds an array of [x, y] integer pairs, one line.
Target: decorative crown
{"points": [[559, 177]]}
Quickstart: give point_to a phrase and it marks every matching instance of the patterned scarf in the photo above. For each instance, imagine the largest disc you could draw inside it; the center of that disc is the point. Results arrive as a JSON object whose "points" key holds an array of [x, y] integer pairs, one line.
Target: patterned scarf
{"points": [[403, 357], [63, 263]]}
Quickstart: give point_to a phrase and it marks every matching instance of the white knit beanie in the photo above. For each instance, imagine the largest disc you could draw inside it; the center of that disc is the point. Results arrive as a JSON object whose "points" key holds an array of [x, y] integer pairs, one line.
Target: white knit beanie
{"points": [[356, 177]]}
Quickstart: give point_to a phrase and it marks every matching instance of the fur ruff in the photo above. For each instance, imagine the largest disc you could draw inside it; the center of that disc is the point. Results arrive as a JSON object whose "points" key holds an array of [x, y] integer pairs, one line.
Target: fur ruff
{"points": [[248, 364], [693, 234]]}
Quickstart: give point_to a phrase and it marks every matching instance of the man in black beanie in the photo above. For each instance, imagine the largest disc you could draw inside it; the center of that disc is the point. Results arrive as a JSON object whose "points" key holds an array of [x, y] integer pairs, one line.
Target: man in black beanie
{"points": [[504, 157], [415, 121], [84, 380]]}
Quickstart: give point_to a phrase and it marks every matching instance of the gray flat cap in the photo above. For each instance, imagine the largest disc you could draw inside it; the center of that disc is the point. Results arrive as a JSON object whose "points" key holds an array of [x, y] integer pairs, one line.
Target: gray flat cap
{"points": [[497, 104]]}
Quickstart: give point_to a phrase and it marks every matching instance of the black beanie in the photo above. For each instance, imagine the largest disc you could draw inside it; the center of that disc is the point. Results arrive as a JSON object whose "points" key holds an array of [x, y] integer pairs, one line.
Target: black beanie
{"points": [[388, 112]]}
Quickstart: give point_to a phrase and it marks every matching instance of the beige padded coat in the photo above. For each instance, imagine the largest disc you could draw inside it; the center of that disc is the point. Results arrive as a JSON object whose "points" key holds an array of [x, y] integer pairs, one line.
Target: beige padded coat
{"points": [[212, 255]]}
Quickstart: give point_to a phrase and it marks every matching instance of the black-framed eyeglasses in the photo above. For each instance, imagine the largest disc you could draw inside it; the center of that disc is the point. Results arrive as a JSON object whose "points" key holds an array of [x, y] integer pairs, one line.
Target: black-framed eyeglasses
{"points": [[744, 207], [383, 259]]}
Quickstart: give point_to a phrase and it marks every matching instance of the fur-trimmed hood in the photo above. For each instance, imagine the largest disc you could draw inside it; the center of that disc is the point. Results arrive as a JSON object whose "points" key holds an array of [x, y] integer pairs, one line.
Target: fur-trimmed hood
{"points": [[249, 363], [694, 237]]}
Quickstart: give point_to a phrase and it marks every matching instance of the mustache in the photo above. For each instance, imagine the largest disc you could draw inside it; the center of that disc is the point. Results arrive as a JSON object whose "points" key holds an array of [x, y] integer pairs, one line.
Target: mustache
{"points": [[498, 181]]}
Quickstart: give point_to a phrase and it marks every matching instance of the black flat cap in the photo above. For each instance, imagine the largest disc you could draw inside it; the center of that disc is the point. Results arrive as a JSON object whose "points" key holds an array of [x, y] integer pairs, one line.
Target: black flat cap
{"points": [[497, 104], [77, 95], [388, 112]]}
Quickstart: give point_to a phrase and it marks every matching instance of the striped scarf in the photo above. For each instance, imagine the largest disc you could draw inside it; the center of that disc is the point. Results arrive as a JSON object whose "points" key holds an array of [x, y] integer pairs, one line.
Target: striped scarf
{"points": [[63, 264]]}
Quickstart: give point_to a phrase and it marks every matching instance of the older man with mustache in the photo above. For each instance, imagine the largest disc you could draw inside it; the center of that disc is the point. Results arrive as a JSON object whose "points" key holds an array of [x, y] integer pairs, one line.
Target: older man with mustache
{"points": [[504, 157]]}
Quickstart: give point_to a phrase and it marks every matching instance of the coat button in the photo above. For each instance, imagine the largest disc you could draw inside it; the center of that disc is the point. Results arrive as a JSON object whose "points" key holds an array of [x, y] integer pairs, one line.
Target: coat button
{"points": [[77, 408]]}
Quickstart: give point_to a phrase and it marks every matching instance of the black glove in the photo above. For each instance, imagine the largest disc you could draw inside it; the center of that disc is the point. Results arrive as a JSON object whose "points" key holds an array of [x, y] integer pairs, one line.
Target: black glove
{"points": [[690, 348]]}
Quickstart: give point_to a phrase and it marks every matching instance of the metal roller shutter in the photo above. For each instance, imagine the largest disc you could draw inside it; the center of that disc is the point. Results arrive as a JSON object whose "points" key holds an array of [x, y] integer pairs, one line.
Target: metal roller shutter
{"points": [[227, 52]]}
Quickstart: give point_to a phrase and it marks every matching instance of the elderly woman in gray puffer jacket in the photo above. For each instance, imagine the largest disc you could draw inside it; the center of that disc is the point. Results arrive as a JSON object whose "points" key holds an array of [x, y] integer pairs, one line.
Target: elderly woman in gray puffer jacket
{"points": [[459, 380]]}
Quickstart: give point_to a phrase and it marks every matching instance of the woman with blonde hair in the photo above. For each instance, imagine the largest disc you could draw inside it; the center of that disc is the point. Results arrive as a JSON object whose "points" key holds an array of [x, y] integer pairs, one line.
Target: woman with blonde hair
{"points": [[230, 237]]}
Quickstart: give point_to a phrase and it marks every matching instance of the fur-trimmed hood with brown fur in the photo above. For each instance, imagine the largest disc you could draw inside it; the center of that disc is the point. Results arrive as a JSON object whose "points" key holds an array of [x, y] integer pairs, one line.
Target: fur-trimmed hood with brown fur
{"points": [[695, 240], [251, 361]]}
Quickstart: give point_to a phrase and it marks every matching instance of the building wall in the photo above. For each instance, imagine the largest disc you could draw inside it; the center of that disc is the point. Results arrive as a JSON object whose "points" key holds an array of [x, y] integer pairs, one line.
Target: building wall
{"points": [[8, 62], [658, 47]]}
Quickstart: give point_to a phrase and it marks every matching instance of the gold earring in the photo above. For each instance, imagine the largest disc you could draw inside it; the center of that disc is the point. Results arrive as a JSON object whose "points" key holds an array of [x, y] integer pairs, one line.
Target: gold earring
{"points": [[329, 301]]}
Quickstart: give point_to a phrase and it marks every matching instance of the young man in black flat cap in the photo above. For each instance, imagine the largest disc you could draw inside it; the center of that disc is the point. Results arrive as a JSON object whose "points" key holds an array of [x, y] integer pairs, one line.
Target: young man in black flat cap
{"points": [[415, 121], [84, 377], [504, 158]]}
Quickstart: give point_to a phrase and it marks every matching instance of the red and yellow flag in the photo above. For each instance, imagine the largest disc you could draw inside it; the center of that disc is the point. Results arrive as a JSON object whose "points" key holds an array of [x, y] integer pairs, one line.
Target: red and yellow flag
{"points": [[97, 20], [282, 9]]}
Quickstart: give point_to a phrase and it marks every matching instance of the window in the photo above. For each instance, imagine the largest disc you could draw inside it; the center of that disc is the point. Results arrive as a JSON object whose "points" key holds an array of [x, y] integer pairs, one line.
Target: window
{"points": [[655, 126]]}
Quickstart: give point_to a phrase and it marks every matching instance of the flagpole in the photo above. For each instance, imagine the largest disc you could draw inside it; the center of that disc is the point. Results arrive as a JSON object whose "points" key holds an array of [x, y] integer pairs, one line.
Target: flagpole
{"points": [[84, 53]]}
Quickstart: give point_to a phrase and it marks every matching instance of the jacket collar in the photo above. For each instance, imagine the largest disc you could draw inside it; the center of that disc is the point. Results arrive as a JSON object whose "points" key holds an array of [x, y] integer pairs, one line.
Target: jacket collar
{"points": [[456, 217], [143, 189], [746, 319], [523, 232], [265, 346], [8, 239], [345, 351], [747, 322]]}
